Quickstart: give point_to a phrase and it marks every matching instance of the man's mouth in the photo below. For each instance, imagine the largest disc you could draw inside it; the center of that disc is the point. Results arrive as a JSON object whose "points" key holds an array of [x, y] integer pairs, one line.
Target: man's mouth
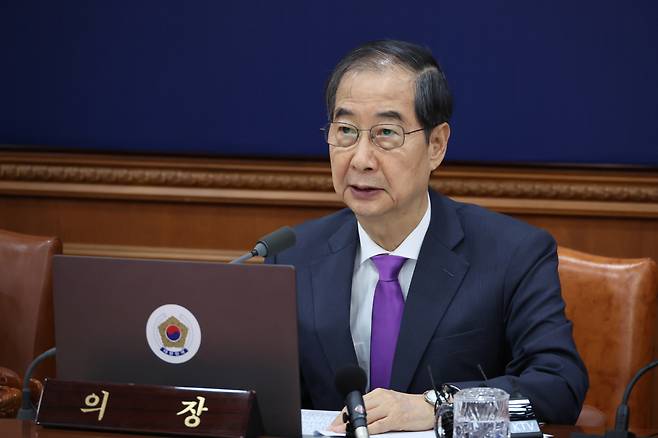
{"points": [[364, 192], [364, 189]]}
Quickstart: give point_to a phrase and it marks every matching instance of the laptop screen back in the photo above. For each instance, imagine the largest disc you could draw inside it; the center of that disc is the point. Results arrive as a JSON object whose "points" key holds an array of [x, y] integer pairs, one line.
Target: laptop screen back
{"points": [[181, 323]]}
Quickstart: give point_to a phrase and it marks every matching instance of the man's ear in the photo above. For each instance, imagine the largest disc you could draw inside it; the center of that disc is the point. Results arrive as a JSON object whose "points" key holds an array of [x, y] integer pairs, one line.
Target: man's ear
{"points": [[438, 144]]}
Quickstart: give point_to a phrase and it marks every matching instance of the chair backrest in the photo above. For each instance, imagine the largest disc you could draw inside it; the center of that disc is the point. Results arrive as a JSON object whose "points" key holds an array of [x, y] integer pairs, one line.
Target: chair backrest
{"points": [[26, 301], [612, 304]]}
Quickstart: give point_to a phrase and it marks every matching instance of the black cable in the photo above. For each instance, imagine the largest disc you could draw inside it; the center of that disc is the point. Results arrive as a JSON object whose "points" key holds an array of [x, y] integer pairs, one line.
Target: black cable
{"points": [[627, 392]]}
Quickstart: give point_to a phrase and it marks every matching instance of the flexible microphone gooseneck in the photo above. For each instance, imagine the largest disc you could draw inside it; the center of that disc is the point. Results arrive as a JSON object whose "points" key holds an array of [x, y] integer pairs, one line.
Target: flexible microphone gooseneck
{"points": [[621, 419], [351, 383], [27, 411], [271, 244], [623, 413]]}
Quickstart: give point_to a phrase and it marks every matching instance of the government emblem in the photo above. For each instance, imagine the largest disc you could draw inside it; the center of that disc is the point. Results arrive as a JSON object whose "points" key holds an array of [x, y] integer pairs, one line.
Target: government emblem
{"points": [[173, 333]]}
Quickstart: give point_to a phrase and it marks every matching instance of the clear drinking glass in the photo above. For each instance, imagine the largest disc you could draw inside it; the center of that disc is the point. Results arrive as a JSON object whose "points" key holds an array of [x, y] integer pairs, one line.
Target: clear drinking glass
{"points": [[481, 413]]}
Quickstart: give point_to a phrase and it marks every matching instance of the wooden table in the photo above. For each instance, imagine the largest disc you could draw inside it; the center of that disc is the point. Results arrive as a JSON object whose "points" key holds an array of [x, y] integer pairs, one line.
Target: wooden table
{"points": [[12, 428]]}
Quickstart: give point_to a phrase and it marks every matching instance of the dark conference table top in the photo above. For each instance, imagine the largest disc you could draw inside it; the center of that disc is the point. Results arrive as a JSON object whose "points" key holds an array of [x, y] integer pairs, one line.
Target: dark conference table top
{"points": [[12, 428]]}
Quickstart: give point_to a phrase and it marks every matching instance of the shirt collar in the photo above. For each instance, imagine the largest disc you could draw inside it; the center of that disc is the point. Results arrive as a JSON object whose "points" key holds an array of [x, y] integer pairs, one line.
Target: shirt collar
{"points": [[410, 246]]}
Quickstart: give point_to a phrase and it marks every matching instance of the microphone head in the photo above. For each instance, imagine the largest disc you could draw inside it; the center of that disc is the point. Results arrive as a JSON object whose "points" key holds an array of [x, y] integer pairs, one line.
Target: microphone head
{"points": [[275, 242], [351, 378]]}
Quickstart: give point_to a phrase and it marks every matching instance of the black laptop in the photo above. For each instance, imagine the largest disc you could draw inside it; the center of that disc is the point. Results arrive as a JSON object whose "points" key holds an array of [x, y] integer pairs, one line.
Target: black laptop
{"points": [[182, 323]]}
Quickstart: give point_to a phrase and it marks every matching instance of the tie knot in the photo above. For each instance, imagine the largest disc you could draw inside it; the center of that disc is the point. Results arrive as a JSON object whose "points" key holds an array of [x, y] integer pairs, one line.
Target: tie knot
{"points": [[388, 266]]}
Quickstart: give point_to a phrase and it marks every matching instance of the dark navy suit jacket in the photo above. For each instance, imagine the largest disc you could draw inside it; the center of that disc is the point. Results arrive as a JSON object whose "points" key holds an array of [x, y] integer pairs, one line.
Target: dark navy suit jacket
{"points": [[485, 291]]}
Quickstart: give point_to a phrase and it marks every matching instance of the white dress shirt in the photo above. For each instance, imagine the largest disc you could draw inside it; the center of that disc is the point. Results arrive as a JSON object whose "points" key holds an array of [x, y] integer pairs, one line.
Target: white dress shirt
{"points": [[365, 277]]}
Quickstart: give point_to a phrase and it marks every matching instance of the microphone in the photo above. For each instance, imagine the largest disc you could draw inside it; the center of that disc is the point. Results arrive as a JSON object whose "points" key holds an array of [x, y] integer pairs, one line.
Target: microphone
{"points": [[271, 244], [621, 419], [27, 412], [351, 384], [622, 415]]}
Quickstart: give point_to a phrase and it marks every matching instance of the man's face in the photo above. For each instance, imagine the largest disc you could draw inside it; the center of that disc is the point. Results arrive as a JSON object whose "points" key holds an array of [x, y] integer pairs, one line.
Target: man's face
{"points": [[384, 186]]}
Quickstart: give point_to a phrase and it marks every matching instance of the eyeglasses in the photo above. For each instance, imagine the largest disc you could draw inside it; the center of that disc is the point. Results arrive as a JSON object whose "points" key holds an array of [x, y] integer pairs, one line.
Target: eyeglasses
{"points": [[386, 136]]}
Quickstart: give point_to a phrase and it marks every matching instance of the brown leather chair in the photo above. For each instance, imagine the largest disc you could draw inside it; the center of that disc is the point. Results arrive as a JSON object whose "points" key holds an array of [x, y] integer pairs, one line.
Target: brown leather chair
{"points": [[11, 392], [612, 304], [26, 308]]}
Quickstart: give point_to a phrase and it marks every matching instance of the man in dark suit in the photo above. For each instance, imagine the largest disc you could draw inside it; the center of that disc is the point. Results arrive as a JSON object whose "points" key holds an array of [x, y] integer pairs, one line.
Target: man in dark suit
{"points": [[405, 277]]}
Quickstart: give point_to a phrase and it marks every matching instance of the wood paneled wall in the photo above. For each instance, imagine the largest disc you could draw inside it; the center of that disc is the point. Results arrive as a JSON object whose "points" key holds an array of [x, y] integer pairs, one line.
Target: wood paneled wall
{"points": [[214, 209], [223, 205]]}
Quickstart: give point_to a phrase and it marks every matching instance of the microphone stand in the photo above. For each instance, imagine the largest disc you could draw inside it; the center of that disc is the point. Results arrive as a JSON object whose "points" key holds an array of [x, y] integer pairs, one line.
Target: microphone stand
{"points": [[27, 411], [349, 429], [244, 257]]}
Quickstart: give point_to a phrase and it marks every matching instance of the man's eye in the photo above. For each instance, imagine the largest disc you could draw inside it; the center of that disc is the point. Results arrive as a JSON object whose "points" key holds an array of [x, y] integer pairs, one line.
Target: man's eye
{"points": [[386, 133], [346, 130]]}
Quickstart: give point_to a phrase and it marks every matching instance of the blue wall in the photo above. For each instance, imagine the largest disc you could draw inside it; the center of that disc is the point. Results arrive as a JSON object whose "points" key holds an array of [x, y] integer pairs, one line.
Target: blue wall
{"points": [[534, 81]]}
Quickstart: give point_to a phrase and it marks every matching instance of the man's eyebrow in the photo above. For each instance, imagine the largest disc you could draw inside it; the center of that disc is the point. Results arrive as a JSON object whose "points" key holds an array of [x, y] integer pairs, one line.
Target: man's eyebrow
{"points": [[342, 112], [391, 115], [384, 114]]}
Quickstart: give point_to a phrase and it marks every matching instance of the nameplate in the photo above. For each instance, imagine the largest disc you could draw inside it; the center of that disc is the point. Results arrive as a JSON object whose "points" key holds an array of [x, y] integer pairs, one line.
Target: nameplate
{"points": [[149, 409]]}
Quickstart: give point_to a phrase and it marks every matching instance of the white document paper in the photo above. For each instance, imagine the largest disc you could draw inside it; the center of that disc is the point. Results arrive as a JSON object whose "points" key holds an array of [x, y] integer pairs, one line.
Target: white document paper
{"points": [[317, 423]]}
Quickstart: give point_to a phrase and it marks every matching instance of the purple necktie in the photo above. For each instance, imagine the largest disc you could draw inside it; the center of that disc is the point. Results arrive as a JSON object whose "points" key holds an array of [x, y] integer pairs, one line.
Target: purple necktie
{"points": [[387, 311]]}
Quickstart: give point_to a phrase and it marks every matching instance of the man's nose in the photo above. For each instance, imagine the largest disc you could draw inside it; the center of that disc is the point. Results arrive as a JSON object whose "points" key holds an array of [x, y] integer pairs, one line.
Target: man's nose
{"points": [[364, 157]]}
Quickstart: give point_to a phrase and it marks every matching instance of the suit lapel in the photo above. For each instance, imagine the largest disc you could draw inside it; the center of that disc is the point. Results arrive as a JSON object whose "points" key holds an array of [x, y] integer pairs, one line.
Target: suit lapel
{"points": [[437, 277], [331, 278]]}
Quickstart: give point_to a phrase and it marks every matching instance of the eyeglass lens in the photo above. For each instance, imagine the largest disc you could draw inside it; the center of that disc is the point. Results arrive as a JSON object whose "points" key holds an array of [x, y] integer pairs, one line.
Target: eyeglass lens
{"points": [[385, 136]]}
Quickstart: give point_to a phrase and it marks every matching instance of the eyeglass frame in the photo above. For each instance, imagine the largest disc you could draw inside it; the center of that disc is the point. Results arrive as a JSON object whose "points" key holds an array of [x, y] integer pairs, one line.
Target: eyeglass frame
{"points": [[325, 130]]}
